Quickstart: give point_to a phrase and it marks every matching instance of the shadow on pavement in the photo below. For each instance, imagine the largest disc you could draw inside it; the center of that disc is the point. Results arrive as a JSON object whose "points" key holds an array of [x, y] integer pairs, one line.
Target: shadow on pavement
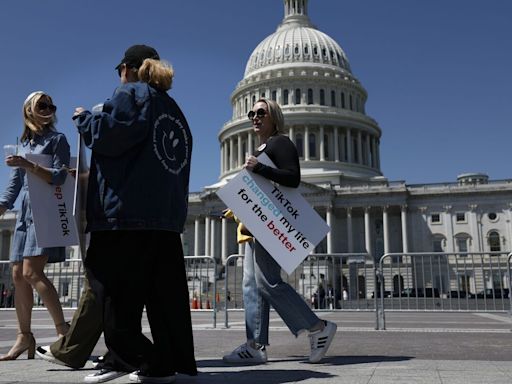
{"points": [[346, 360], [267, 376]]}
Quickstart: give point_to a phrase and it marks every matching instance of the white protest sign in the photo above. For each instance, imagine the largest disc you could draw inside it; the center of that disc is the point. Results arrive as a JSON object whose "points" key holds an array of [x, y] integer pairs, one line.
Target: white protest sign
{"points": [[52, 207], [279, 217]]}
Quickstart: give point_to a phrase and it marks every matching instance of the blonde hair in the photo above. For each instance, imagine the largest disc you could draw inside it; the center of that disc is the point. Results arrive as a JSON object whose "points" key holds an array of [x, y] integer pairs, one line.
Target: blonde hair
{"points": [[33, 121], [157, 73], [274, 110]]}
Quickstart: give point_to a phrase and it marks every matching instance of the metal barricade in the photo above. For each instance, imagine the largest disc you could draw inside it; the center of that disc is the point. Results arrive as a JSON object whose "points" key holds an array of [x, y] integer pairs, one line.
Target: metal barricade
{"points": [[202, 276], [444, 281], [509, 266], [66, 277], [327, 282]]}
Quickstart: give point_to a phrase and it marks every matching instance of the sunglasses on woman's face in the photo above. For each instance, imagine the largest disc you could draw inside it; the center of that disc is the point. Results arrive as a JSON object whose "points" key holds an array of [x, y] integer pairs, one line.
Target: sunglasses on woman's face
{"points": [[260, 113], [45, 106]]}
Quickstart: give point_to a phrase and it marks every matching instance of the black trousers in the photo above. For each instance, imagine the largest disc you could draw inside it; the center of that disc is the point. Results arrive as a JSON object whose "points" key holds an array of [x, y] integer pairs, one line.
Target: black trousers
{"points": [[133, 269]]}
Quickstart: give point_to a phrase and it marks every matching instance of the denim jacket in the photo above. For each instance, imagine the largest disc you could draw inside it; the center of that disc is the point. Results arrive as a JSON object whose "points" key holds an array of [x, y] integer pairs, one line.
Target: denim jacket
{"points": [[49, 143], [140, 165]]}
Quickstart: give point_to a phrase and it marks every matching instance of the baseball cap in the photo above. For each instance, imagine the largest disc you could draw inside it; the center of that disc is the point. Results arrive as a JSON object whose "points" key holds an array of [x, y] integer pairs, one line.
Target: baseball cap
{"points": [[136, 54]]}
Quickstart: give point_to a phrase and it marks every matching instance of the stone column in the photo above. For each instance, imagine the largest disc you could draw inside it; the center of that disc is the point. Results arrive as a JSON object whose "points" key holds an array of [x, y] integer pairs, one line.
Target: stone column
{"points": [[197, 227], [385, 224], [405, 242], [207, 236], [329, 218], [448, 226], [224, 241], [367, 231], [231, 154], [474, 230], [322, 144], [359, 148], [250, 147], [240, 154], [213, 224], [306, 143], [336, 144], [350, 239], [349, 146], [291, 134]]}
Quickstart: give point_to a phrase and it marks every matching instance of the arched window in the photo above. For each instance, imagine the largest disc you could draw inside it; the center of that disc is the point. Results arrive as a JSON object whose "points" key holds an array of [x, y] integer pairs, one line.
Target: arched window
{"points": [[297, 96], [246, 108], [312, 145], [333, 99], [310, 96], [342, 100], [351, 103], [253, 99], [494, 241], [326, 146], [263, 95], [322, 97], [274, 95], [299, 143], [285, 97]]}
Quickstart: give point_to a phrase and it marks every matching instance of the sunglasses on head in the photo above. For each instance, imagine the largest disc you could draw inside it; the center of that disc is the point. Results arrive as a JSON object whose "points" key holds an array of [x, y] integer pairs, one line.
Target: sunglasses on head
{"points": [[260, 113], [43, 106]]}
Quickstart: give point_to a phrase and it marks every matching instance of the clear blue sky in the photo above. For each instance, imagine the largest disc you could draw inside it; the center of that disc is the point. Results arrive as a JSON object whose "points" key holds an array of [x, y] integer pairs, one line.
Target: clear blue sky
{"points": [[438, 73]]}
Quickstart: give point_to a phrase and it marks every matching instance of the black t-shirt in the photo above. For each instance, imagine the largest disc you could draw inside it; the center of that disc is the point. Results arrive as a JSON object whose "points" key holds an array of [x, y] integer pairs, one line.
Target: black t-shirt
{"points": [[283, 154]]}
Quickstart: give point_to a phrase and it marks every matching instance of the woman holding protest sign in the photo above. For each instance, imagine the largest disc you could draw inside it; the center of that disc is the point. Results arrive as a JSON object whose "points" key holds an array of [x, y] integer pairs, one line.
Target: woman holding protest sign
{"points": [[262, 283], [27, 258]]}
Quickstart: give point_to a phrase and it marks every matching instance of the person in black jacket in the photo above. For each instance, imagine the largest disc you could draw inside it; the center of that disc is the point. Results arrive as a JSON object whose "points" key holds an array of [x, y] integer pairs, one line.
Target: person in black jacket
{"points": [[262, 283]]}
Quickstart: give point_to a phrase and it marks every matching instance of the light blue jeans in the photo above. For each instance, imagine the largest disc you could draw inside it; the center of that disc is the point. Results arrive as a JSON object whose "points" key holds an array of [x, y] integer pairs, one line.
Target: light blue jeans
{"points": [[262, 287]]}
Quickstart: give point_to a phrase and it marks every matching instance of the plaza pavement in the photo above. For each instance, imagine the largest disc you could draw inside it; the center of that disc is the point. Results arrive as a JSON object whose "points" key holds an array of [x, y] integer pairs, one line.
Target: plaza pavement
{"points": [[417, 347]]}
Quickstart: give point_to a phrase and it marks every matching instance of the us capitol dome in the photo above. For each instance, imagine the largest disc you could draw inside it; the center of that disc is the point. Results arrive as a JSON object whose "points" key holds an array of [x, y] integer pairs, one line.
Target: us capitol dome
{"points": [[323, 103]]}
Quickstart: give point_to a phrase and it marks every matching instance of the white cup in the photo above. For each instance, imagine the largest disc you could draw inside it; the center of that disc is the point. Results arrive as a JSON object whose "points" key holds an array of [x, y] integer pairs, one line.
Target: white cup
{"points": [[10, 150]]}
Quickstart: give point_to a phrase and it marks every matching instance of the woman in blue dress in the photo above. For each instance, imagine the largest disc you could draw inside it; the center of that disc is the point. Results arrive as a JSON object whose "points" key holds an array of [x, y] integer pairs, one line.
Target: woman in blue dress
{"points": [[27, 259]]}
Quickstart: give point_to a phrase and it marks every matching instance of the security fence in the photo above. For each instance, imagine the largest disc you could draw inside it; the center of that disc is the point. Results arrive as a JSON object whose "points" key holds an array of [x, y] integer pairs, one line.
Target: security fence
{"points": [[327, 282], [425, 281], [202, 276], [470, 281]]}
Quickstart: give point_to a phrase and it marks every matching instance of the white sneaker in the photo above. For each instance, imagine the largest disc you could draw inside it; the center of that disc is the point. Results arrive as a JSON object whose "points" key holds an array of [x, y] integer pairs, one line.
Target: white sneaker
{"points": [[103, 375], [245, 354], [320, 341], [46, 354], [140, 377]]}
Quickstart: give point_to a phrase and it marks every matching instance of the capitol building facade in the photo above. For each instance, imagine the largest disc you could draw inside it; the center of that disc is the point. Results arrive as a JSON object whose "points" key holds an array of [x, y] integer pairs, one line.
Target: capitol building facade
{"points": [[323, 103], [309, 75]]}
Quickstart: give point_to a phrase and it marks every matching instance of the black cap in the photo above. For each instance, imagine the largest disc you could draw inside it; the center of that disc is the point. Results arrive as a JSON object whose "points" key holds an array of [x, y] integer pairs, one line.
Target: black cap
{"points": [[136, 54]]}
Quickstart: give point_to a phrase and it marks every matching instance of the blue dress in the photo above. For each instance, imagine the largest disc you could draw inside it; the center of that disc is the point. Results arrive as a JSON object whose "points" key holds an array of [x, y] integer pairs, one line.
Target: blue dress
{"points": [[24, 243]]}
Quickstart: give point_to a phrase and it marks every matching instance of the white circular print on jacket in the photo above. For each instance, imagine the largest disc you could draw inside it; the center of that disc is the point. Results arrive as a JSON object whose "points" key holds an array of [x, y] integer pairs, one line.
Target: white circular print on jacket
{"points": [[171, 143]]}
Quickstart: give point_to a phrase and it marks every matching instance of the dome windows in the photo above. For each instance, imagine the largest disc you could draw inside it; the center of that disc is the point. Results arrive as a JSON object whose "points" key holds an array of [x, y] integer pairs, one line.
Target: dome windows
{"points": [[310, 96], [297, 96], [285, 97]]}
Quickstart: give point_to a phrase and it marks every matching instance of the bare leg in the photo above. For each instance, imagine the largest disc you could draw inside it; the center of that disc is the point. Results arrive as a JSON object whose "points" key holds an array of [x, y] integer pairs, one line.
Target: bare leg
{"points": [[24, 301], [33, 273]]}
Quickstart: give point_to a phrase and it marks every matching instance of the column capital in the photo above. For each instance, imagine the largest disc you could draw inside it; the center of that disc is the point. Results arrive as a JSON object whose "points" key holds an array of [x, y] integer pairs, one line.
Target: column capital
{"points": [[447, 208], [403, 207], [473, 207], [423, 210]]}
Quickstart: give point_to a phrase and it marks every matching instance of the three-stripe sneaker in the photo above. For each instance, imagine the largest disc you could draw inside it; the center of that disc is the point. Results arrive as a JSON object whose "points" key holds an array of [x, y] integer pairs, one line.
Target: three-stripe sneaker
{"points": [[320, 341], [245, 354]]}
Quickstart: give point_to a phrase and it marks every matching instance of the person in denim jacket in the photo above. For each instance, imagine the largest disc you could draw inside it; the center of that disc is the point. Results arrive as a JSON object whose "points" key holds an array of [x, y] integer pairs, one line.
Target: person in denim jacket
{"points": [[27, 258], [136, 209]]}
